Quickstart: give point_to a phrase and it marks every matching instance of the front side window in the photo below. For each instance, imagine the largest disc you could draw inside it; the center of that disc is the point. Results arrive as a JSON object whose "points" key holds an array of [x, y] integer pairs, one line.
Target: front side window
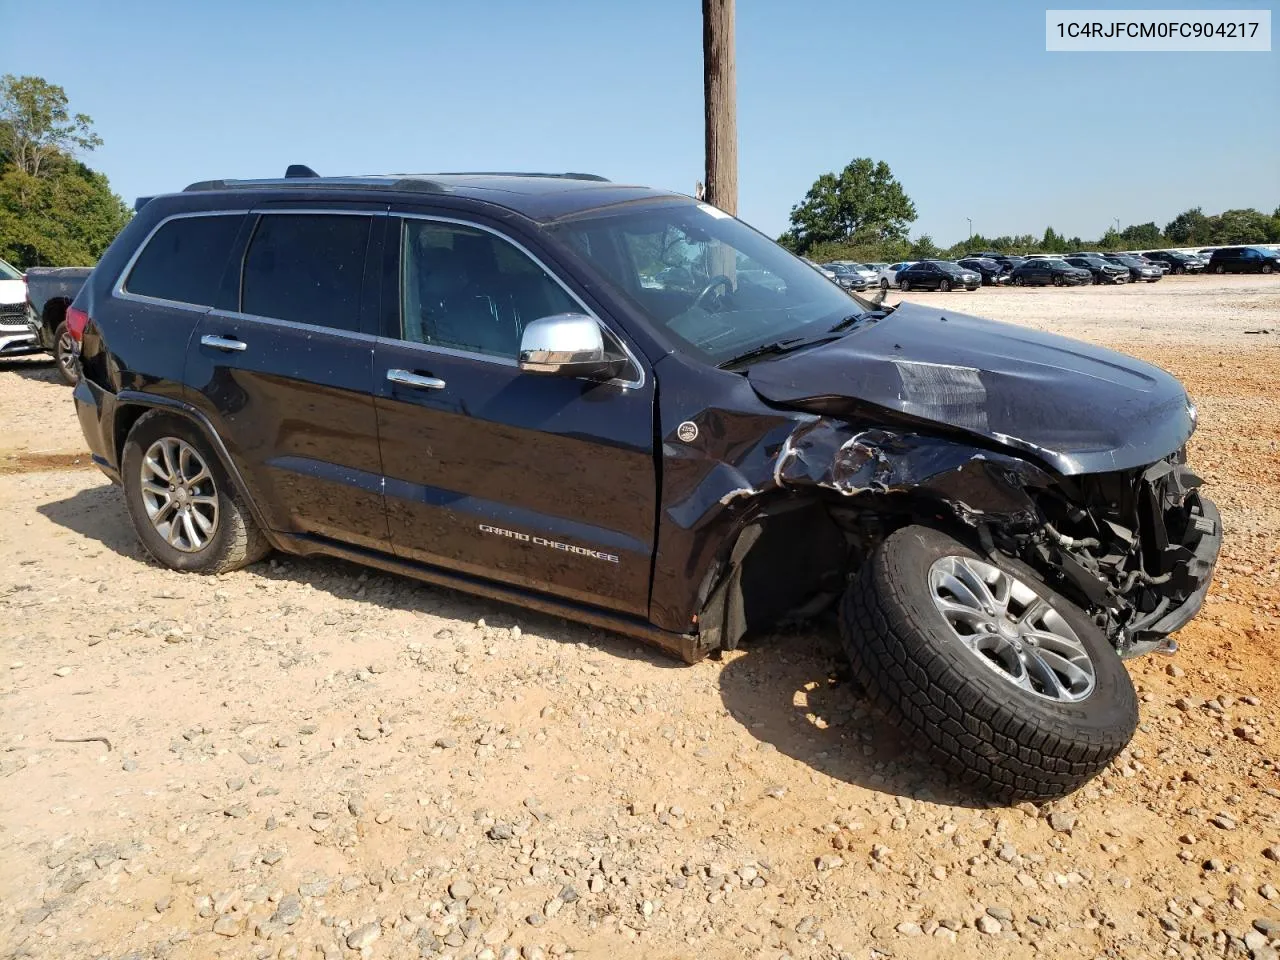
{"points": [[184, 260], [308, 268], [8, 273], [468, 289], [713, 285]]}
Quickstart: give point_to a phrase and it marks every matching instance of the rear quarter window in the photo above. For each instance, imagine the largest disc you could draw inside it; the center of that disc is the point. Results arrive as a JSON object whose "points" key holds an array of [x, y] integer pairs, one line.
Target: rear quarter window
{"points": [[183, 261]]}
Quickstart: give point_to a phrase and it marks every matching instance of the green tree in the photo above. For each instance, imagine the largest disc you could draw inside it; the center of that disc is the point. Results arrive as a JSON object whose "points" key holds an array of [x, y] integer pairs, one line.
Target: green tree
{"points": [[923, 248], [862, 204], [1053, 242], [54, 210], [1189, 228], [1141, 235], [35, 124], [1241, 226]]}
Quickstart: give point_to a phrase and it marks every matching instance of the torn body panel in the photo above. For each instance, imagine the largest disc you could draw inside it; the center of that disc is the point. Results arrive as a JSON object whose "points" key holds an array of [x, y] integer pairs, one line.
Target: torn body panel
{"points": [[1133, 548]]}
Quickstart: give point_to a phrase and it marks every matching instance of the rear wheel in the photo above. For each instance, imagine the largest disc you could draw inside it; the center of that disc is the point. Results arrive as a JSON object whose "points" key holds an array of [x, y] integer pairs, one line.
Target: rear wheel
{"points": [[1179, 271], [64, 352], [884, 284], [1013, 688], [1219, 268], [183, 505]]}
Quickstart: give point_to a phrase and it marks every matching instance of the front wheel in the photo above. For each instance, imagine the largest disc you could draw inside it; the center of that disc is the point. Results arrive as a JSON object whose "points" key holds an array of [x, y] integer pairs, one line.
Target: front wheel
{"points": [[1179, 271], [1219, 269], [904, 285], [1057, 280], [1266, 268], [944, 286], [884, 284], [1017, 281], [64, 352], [183, 505], [1012, 688]]}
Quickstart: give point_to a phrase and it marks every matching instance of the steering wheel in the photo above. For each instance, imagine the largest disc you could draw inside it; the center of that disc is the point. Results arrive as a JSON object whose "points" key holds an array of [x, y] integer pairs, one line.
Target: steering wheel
{"points": [[719, 280]]}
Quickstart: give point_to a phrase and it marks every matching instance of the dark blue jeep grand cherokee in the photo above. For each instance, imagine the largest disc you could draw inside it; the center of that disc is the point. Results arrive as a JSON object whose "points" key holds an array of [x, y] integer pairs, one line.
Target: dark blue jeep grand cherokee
{"points": [[629, 408]]}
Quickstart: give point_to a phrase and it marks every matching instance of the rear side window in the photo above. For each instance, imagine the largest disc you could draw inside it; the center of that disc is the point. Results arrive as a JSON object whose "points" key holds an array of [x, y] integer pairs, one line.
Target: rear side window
{"points": [[183, 261], [308, 268]]}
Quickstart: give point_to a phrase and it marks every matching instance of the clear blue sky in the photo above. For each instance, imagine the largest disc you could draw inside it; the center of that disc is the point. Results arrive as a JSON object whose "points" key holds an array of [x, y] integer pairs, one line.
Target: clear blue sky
{"points": [[960, 99]]}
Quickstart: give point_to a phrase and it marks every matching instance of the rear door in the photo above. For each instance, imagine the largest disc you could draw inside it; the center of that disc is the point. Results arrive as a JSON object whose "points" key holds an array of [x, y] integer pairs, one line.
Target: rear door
{"points": [[285, 371], [544, 482], [163, 292]]}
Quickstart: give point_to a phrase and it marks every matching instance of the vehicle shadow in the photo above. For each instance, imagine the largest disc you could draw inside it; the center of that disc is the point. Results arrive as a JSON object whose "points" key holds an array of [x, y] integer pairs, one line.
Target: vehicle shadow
{"points": [[793, 690], [33, 367], [99, 513]]}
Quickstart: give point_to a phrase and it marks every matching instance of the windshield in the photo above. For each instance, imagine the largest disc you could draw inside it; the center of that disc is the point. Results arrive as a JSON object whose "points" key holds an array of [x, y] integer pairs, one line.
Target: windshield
{"points": [[948, 266], [710, 282], [9, 273], [1127, 261]]}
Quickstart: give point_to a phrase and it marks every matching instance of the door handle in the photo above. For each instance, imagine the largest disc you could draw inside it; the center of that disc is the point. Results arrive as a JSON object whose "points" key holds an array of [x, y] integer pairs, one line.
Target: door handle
{"points": [[229, 344], [418, 381]]}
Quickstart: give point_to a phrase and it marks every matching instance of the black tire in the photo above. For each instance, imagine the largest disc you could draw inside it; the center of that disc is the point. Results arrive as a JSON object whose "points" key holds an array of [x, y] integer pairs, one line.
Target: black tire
{"points": [[235, 541], [1266, 268], [1219, 268], [1057, 280], [1017, 281], [65, 357], [996, 737], [904, 285], [944, 286], [884, 284], [1179, 271]]}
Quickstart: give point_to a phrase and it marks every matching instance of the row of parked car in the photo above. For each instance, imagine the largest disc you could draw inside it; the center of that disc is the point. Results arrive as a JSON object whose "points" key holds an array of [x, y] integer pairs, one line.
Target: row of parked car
{"points": [[991, 269]]}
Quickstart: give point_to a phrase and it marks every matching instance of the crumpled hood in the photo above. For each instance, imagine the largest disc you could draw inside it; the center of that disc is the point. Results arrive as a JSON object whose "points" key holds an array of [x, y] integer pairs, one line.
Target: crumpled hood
{"points": [[1080, 408]]}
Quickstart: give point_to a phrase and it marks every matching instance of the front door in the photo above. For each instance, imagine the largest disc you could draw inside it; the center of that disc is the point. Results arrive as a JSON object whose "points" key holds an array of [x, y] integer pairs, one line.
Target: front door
{"points": [[287, 376], [544, 482]]}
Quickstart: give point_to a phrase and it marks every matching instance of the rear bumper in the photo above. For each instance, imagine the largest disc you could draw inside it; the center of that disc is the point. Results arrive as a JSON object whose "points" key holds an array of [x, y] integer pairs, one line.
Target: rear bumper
{"points": [[95, 409]]}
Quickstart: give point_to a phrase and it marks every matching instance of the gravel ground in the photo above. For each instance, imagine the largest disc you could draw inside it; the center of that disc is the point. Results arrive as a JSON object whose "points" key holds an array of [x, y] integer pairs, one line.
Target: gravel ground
{"points": [[305, 759]]}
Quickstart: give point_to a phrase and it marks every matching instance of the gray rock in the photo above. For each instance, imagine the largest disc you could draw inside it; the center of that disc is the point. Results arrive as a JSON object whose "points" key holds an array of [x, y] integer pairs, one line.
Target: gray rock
{"points": [[500, 831], [462, 889], [227, 926], [1223, 821], [909, 929], [1267, 927], [1062, 821], [1000, 913], [989, 925], [288, 910], [315, 888], [363, 936]]}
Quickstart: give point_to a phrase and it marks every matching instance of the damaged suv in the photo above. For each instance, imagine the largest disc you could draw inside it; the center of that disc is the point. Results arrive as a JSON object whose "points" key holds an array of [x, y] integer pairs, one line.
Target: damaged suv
{"points": [[626, 407]]}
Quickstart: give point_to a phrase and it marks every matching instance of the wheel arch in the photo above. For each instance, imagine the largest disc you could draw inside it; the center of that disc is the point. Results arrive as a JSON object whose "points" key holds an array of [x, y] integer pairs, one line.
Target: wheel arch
{"points": [[132, 406]]}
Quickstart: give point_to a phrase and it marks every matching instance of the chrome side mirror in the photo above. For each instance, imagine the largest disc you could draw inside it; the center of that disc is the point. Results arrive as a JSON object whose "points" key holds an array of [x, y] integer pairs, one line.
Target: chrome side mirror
{"points": [[567, 345]]}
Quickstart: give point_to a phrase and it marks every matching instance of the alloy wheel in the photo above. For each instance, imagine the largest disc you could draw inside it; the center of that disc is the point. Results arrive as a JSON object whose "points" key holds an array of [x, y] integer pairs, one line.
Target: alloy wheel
{"points": [[1011, 629], [179, 494], [65, 352]]}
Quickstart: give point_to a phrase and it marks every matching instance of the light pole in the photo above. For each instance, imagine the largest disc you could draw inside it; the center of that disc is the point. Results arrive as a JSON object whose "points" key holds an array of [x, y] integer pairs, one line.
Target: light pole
{"points": [[970, 219], [1117, 220]]}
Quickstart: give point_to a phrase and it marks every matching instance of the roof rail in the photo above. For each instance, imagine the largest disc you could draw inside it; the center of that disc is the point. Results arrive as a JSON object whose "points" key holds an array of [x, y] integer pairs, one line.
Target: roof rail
{"points": [[511, 173], [399, 185]]}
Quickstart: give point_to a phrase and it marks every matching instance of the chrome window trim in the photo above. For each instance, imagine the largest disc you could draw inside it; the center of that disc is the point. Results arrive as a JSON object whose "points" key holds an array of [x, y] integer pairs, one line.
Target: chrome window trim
{"points": [[505, 361], [292, 324], [118, 290]]}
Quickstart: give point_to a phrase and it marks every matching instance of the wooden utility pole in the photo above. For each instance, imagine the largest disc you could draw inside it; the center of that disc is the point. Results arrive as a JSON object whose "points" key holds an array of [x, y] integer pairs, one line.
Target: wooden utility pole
{"points": [[719, 85]]}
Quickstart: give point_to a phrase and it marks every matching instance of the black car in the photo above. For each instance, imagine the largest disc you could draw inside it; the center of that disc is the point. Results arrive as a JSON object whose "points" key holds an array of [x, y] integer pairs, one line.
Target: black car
{"points": [[847, 277], [992, 271], [1041, 271], [1178, 263], [941, 275], [1138, 268], [1244, 260], [1103, 271], [480, 381]]}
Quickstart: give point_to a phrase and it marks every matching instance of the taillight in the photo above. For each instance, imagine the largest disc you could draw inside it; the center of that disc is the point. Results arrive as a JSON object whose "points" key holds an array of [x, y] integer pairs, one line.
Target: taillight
{"points": [[76, 322]]}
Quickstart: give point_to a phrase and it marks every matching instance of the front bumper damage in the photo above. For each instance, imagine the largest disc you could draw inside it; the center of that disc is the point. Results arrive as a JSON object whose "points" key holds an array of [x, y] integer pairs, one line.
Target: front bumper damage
{"points": [[1135, 549]]}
